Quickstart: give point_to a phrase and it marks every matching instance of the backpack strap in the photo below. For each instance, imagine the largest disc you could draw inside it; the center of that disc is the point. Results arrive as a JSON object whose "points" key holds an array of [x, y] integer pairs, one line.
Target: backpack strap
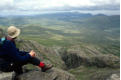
{"points": [[2, 40]]}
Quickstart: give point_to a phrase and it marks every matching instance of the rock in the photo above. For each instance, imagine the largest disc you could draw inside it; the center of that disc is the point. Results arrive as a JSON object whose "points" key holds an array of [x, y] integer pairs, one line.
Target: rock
{"points": [[6, 75], [102, 61], [114, 77], [76, 57], [111, 75], [54, 74]]}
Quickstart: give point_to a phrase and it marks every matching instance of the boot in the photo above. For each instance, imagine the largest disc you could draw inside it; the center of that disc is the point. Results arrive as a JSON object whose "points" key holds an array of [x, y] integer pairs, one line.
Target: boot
{"points": [[46, 67]]}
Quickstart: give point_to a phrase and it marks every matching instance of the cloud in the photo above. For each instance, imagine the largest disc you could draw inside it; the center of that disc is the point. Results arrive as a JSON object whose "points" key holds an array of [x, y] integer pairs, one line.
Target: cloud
{"points": [[5, 4], [43, 5]]}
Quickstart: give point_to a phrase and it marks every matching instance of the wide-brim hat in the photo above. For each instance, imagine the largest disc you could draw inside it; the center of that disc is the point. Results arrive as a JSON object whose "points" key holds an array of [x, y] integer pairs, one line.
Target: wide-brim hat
{"points": [[13, 32]]}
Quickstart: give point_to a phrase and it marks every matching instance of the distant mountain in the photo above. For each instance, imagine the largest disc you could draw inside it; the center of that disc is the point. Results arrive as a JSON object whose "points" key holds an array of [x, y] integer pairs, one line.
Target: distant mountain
{"points": [[25, 19], [54, 15], [100, 15], [67, 14]]}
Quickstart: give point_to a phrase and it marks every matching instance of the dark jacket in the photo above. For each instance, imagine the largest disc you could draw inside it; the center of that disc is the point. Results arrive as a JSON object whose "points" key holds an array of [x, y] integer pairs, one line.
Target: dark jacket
{"points": [[10, 54]]}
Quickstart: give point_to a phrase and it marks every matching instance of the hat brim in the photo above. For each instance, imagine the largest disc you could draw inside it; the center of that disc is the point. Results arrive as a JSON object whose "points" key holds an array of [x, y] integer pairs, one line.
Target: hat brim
{"points": [[17, 34]]}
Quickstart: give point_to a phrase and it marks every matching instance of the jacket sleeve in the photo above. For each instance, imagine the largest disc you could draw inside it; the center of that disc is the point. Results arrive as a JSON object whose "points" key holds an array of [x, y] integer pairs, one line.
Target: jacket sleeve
{"points": [[15, 54], [22, 52]]}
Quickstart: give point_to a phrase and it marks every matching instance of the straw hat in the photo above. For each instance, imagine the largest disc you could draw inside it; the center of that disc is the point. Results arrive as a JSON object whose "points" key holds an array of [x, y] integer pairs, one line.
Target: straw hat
{"points": [[13, 31]]}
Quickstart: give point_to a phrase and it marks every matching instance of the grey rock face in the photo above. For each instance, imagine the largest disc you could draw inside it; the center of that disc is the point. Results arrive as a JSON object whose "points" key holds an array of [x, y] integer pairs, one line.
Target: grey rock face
{"points": [[53, 74], [6, 75], [114, 77], [77, 57]]}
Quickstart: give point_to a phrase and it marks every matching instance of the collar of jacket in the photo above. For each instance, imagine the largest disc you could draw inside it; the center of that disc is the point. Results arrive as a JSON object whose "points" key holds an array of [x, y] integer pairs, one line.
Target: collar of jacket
{"points": [[10, 39]]}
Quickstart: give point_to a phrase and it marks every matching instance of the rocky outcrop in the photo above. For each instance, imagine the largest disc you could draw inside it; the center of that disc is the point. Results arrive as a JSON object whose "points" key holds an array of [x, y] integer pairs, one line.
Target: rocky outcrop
{"points": [[54, 74], [84, 56], [6, 75], [111, 75], [114, 77]]}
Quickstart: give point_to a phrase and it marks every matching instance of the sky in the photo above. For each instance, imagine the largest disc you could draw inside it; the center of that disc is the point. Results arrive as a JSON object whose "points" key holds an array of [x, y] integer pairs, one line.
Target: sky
{"points": [[27, 7]]}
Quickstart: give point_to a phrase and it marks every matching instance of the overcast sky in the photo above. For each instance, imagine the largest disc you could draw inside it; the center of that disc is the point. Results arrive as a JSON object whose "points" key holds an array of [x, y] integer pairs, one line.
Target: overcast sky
{"points": [[38, 6]]}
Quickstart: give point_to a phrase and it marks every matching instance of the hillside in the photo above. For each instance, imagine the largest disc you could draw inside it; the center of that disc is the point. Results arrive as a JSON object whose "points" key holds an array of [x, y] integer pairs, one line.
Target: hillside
{"points": [[80, 46], [77, 61], [83, 63]]}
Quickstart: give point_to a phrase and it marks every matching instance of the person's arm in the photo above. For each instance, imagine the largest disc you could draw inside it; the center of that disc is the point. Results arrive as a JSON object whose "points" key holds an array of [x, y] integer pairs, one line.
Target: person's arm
{"points": [[32, 53], [14, 54], [22, 52]]}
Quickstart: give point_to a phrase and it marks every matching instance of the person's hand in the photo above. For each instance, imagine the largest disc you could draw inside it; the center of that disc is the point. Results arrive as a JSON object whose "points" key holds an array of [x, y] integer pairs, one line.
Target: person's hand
{"points": [[32, 53]]}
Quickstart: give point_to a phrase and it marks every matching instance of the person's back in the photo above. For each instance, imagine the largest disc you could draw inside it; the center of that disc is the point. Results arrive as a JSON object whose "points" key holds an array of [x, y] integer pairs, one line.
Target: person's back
{"points": [[4, 48], [5, 60]]}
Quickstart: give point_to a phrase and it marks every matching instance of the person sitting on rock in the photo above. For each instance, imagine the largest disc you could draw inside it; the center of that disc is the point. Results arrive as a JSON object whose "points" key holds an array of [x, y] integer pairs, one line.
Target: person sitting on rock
{"points": [[11, 59]]}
